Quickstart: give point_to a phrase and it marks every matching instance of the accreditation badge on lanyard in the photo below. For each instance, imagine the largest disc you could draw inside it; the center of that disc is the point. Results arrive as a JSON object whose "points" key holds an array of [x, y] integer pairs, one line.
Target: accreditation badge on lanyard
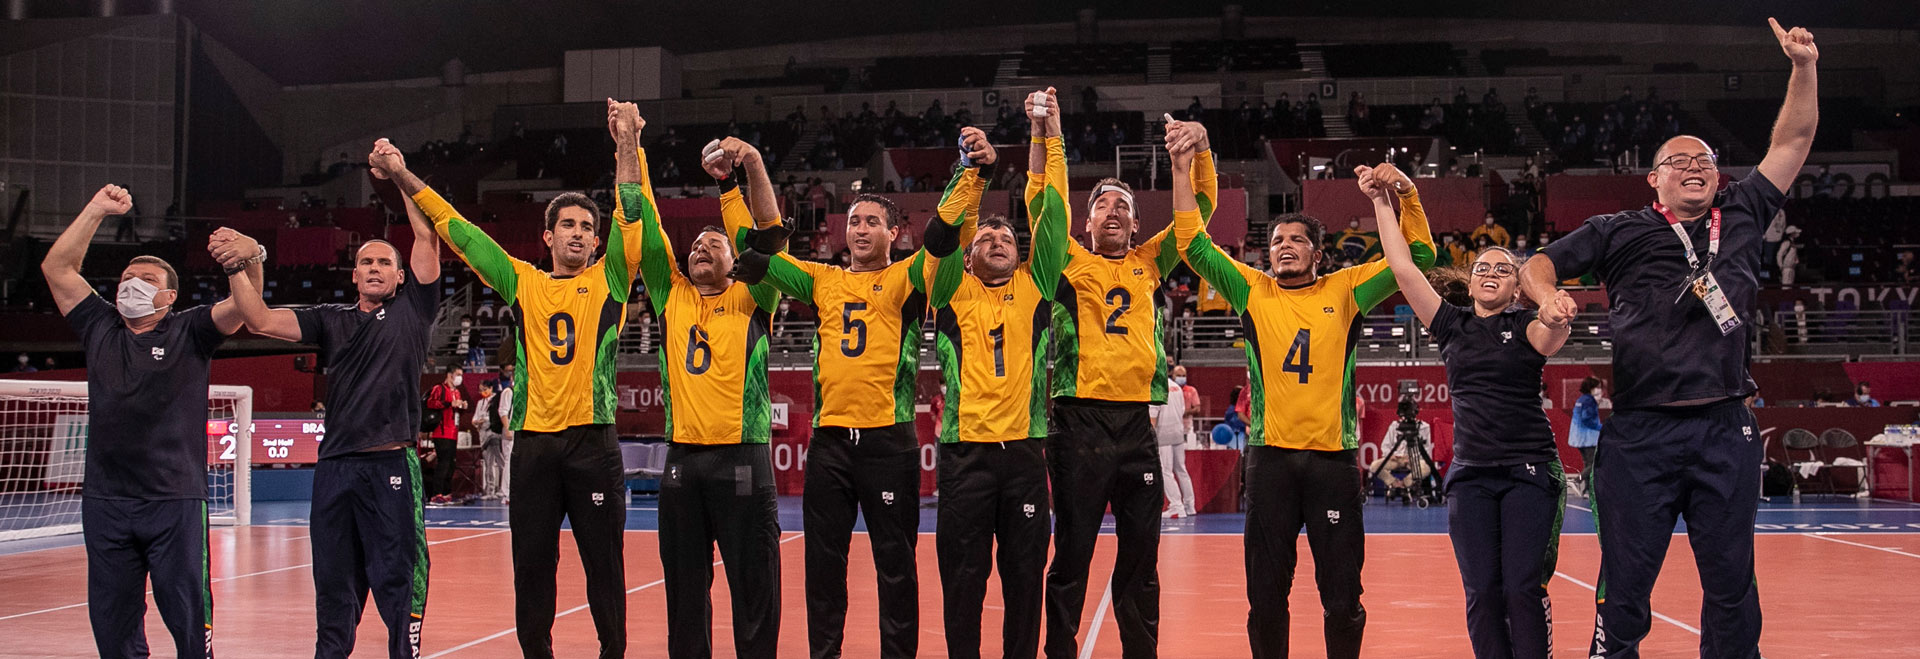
{"points": [[1700, 279]]}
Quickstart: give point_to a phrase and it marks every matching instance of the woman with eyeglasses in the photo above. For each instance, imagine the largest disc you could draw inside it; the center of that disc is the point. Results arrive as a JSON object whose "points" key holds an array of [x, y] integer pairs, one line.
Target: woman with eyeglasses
{"points": [[1505, 486]]}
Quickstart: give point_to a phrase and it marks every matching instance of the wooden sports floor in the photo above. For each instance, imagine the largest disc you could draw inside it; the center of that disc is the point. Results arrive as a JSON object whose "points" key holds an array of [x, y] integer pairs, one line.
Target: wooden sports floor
{"points": [[1837, 579]]}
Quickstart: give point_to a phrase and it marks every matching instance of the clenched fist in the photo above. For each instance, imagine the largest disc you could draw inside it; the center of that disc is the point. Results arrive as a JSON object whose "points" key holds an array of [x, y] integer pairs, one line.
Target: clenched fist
{"points": [[978, 149], [111, 200]]}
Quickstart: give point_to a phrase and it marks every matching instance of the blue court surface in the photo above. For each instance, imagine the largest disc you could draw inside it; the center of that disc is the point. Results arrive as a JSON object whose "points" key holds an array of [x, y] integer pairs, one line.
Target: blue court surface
{"points": [[1812, 514]]}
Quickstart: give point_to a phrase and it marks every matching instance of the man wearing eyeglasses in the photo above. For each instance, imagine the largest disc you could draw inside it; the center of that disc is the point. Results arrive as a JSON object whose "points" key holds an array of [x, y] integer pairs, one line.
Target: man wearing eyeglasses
{"points": [[1682, 281]]}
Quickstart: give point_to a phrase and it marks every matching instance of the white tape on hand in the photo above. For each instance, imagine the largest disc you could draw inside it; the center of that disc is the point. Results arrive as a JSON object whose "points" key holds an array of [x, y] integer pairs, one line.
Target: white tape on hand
{"points": [[1040, 103]]}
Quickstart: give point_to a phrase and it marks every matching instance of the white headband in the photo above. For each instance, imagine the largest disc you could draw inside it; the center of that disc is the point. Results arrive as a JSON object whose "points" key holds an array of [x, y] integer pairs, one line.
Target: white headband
{"points": [[1131, 211]]}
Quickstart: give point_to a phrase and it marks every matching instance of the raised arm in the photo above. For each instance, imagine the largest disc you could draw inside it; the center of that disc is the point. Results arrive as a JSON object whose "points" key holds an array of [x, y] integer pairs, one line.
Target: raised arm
{"points": [[1043, 114], [496, 269], [1047, 212], [940, 264], [241, 258], [1372, 283], [243, 294], [1202, 178], [958, 212], [1800, 114], [1380, 184], [656, 265], [424, 258], [1232, 278], [1046, 155], [629, 176], [62, 263]]}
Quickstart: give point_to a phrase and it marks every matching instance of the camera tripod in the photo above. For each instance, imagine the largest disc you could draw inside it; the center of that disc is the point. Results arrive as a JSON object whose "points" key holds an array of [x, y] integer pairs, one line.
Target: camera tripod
{"points": [[1425, 490]]}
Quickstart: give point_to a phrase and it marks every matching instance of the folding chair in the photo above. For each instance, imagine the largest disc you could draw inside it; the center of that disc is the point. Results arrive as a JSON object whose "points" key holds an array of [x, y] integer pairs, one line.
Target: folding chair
{"points": [[1838, 441], [1801, 439]]}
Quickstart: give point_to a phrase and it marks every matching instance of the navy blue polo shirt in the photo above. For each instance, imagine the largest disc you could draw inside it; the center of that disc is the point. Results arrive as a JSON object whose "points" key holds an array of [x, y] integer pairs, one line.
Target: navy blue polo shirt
{"points": [[147, 402], [1493, 376], [373, 366], [1666, 351]]}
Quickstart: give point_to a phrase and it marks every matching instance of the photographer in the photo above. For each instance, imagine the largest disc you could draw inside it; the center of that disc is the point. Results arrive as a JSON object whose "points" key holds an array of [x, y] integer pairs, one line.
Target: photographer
{"points": [[1411, 442], [1505, 486]]}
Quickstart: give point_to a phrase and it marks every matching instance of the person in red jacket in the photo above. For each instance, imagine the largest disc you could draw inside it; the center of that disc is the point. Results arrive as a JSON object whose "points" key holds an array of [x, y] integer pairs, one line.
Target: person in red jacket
{"points": [[446, 398]]}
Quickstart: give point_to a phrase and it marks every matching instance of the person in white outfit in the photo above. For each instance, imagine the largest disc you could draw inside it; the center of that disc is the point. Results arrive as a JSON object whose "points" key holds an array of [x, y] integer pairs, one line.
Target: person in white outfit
{"points": [[1788, 258], [1171, 423], [490, 419]]}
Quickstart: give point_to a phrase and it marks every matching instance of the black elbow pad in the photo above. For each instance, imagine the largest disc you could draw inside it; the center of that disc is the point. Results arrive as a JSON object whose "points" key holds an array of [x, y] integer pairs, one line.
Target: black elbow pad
{"points": [[771, 240], [752, 265], [941, 239]]}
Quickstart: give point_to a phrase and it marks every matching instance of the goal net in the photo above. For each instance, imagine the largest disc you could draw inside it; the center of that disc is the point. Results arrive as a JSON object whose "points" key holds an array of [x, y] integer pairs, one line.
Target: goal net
{"points": [[43, 449]]}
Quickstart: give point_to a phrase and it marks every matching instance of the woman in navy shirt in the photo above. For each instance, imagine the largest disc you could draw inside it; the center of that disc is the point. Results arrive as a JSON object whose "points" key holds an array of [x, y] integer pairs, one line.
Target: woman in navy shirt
{"points": [[1505, 486]]}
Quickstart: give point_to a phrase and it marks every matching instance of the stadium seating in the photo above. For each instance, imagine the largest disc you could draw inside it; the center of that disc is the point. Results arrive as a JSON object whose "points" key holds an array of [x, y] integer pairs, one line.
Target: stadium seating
{"points": [[1084, 59], [932, 72], [1235, 55], [1391, 60]]}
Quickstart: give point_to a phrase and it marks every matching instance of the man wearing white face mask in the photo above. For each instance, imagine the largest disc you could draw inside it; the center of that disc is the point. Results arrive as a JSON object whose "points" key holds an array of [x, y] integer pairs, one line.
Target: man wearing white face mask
{"points": [[144, 508]]}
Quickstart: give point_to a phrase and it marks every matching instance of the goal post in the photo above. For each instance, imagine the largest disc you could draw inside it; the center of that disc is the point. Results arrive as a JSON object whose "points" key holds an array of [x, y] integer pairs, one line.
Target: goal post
{"points": [[43, 444]]}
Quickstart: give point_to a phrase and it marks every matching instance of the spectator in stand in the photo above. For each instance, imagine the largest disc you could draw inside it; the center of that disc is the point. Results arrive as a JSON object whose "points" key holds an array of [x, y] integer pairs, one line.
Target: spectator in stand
{"points": [[1194, 109], [1493, 231], [1788, 257], [1394, 126], [1434, 118], [1459, 248], [1115, 135], [1863, 396], [1904, 269], [1823, 182], [25, 364], [1357, 109], [1522, 247], [48, 364], [1481, 243]]}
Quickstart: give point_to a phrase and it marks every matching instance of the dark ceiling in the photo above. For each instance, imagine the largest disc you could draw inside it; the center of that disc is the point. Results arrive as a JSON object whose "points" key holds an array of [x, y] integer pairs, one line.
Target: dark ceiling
{"points": [[317, 41]]}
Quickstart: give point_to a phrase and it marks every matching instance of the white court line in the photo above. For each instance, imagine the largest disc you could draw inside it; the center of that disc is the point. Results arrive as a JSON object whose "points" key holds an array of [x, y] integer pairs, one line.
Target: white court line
{"points": [[576, 609], [249, 574], [1579, 507], [1099, 616], [1889, 550], [1656, 614]]}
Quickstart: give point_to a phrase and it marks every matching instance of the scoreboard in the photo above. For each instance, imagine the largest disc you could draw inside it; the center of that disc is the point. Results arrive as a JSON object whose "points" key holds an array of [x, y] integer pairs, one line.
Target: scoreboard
{"points": [[275, 441]]}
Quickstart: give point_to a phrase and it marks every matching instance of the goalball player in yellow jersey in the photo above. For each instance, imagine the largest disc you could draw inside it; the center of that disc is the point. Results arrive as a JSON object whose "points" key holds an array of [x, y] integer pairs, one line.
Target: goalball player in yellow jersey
{"points": [[1301, 466], [718, 488], [566, 462], [864, 456], [991, 332], [1109, 364]]}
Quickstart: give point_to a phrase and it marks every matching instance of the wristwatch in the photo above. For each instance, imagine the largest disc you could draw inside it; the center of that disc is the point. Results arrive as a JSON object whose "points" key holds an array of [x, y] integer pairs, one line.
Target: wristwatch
{"points": [[260, 258]]}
